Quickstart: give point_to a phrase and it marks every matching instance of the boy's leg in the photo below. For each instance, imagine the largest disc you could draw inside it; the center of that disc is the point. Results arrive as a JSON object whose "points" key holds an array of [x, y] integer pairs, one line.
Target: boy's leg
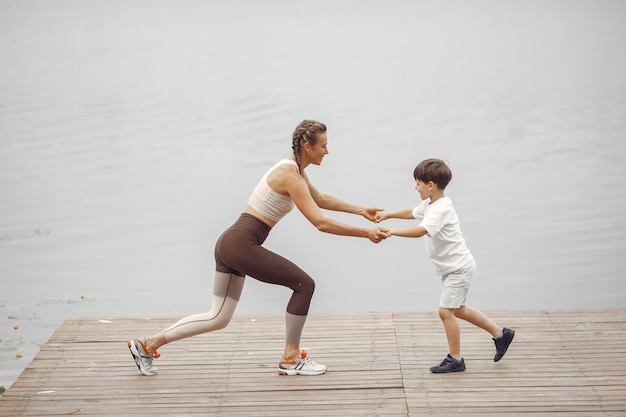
{"points": [[478, 319], [453, 296], [453, 331], [502, 336], [453, 361]]}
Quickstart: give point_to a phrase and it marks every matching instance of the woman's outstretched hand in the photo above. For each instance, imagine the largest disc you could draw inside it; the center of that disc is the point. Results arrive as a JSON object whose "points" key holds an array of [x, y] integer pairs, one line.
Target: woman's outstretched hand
{"points": [[377, 234], [379, 216], [370, 213]]}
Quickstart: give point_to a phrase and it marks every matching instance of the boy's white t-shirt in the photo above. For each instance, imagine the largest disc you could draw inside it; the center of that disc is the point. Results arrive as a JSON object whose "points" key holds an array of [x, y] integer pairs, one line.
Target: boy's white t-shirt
{"points": [[444, 242]]}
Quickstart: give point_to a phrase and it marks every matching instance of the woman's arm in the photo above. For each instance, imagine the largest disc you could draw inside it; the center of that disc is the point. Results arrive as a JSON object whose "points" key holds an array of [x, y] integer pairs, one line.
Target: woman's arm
{"points": [[329, 202], [300, 192]]}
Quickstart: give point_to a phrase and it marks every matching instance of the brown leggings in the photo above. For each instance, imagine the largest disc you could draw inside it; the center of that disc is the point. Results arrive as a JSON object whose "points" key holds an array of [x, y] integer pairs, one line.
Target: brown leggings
{"points": [[239, 252]]}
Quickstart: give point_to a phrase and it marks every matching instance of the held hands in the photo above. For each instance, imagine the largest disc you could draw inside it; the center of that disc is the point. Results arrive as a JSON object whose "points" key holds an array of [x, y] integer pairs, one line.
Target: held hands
{"points": [[377, 234], [379, 217]]}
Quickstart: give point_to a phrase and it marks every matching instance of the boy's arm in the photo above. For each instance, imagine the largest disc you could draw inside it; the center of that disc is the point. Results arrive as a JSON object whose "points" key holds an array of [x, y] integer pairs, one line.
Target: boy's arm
{"points": [[398, 214], [413, 231]]}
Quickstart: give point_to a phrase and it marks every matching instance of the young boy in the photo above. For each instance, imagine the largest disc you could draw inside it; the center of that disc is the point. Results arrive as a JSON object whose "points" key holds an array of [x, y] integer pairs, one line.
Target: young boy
{"points": [[452, 259]]}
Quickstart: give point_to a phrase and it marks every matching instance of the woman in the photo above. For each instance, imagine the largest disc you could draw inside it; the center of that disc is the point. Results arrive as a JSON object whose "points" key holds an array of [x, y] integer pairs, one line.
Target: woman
{"points": [[239, 252]]}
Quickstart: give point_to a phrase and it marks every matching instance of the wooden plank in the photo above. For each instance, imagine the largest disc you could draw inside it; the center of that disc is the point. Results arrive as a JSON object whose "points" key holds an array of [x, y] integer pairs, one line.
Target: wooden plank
{"points": [[567, 362]]}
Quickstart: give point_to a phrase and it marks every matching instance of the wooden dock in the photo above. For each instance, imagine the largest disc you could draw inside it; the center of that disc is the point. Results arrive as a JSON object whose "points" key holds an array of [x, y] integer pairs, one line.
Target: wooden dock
{"points": [[565, 363]]}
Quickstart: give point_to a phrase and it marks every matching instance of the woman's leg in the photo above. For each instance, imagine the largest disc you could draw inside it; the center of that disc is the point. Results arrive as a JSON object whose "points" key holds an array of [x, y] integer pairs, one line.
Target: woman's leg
{"points": [[269, 267], [227, 289], [294, 325], [274, 269]]}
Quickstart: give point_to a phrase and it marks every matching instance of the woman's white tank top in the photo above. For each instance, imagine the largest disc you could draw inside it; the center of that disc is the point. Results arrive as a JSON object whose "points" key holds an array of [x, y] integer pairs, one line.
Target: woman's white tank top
{"points": [[268, 202]]}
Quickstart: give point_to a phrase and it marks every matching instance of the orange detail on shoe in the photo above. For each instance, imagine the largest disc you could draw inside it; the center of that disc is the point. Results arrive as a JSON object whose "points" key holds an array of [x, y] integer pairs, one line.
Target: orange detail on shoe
{"points": [[154, 354], [292, 361], [287, 362]]}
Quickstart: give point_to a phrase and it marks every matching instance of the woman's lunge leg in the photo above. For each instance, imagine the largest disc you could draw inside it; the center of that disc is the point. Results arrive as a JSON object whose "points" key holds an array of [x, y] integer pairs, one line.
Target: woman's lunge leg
{"points": [[227, 289]]}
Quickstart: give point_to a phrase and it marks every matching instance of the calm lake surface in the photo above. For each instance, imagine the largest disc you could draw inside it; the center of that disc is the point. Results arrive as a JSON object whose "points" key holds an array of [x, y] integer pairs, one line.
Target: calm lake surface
{"points": [[133, 132]]}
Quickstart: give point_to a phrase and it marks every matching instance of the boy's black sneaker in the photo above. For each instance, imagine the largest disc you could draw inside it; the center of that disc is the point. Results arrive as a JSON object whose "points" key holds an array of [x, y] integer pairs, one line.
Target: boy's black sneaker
{"points": [[449, 364], [503, 342]]}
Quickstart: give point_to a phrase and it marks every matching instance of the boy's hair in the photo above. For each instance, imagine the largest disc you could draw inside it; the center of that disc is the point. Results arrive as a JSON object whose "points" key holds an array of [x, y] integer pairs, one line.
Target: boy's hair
{"points": [[434, 170]]}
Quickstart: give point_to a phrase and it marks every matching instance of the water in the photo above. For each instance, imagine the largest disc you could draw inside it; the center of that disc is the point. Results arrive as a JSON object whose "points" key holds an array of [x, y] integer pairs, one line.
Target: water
{"points": [[132, 133]]}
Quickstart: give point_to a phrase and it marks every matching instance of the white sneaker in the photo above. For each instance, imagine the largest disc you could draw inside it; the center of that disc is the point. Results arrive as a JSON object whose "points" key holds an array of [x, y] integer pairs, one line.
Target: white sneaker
{"points": [[142, 356], [300, 366]]}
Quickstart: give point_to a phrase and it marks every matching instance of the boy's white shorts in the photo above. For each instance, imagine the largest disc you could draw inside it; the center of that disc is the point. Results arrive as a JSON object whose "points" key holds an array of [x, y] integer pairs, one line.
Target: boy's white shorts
{"points": [[456, 285]]}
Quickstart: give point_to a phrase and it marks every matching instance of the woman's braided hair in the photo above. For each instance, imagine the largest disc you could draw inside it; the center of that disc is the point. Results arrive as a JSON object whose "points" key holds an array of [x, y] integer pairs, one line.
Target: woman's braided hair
{"points": [[306, 131]]}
